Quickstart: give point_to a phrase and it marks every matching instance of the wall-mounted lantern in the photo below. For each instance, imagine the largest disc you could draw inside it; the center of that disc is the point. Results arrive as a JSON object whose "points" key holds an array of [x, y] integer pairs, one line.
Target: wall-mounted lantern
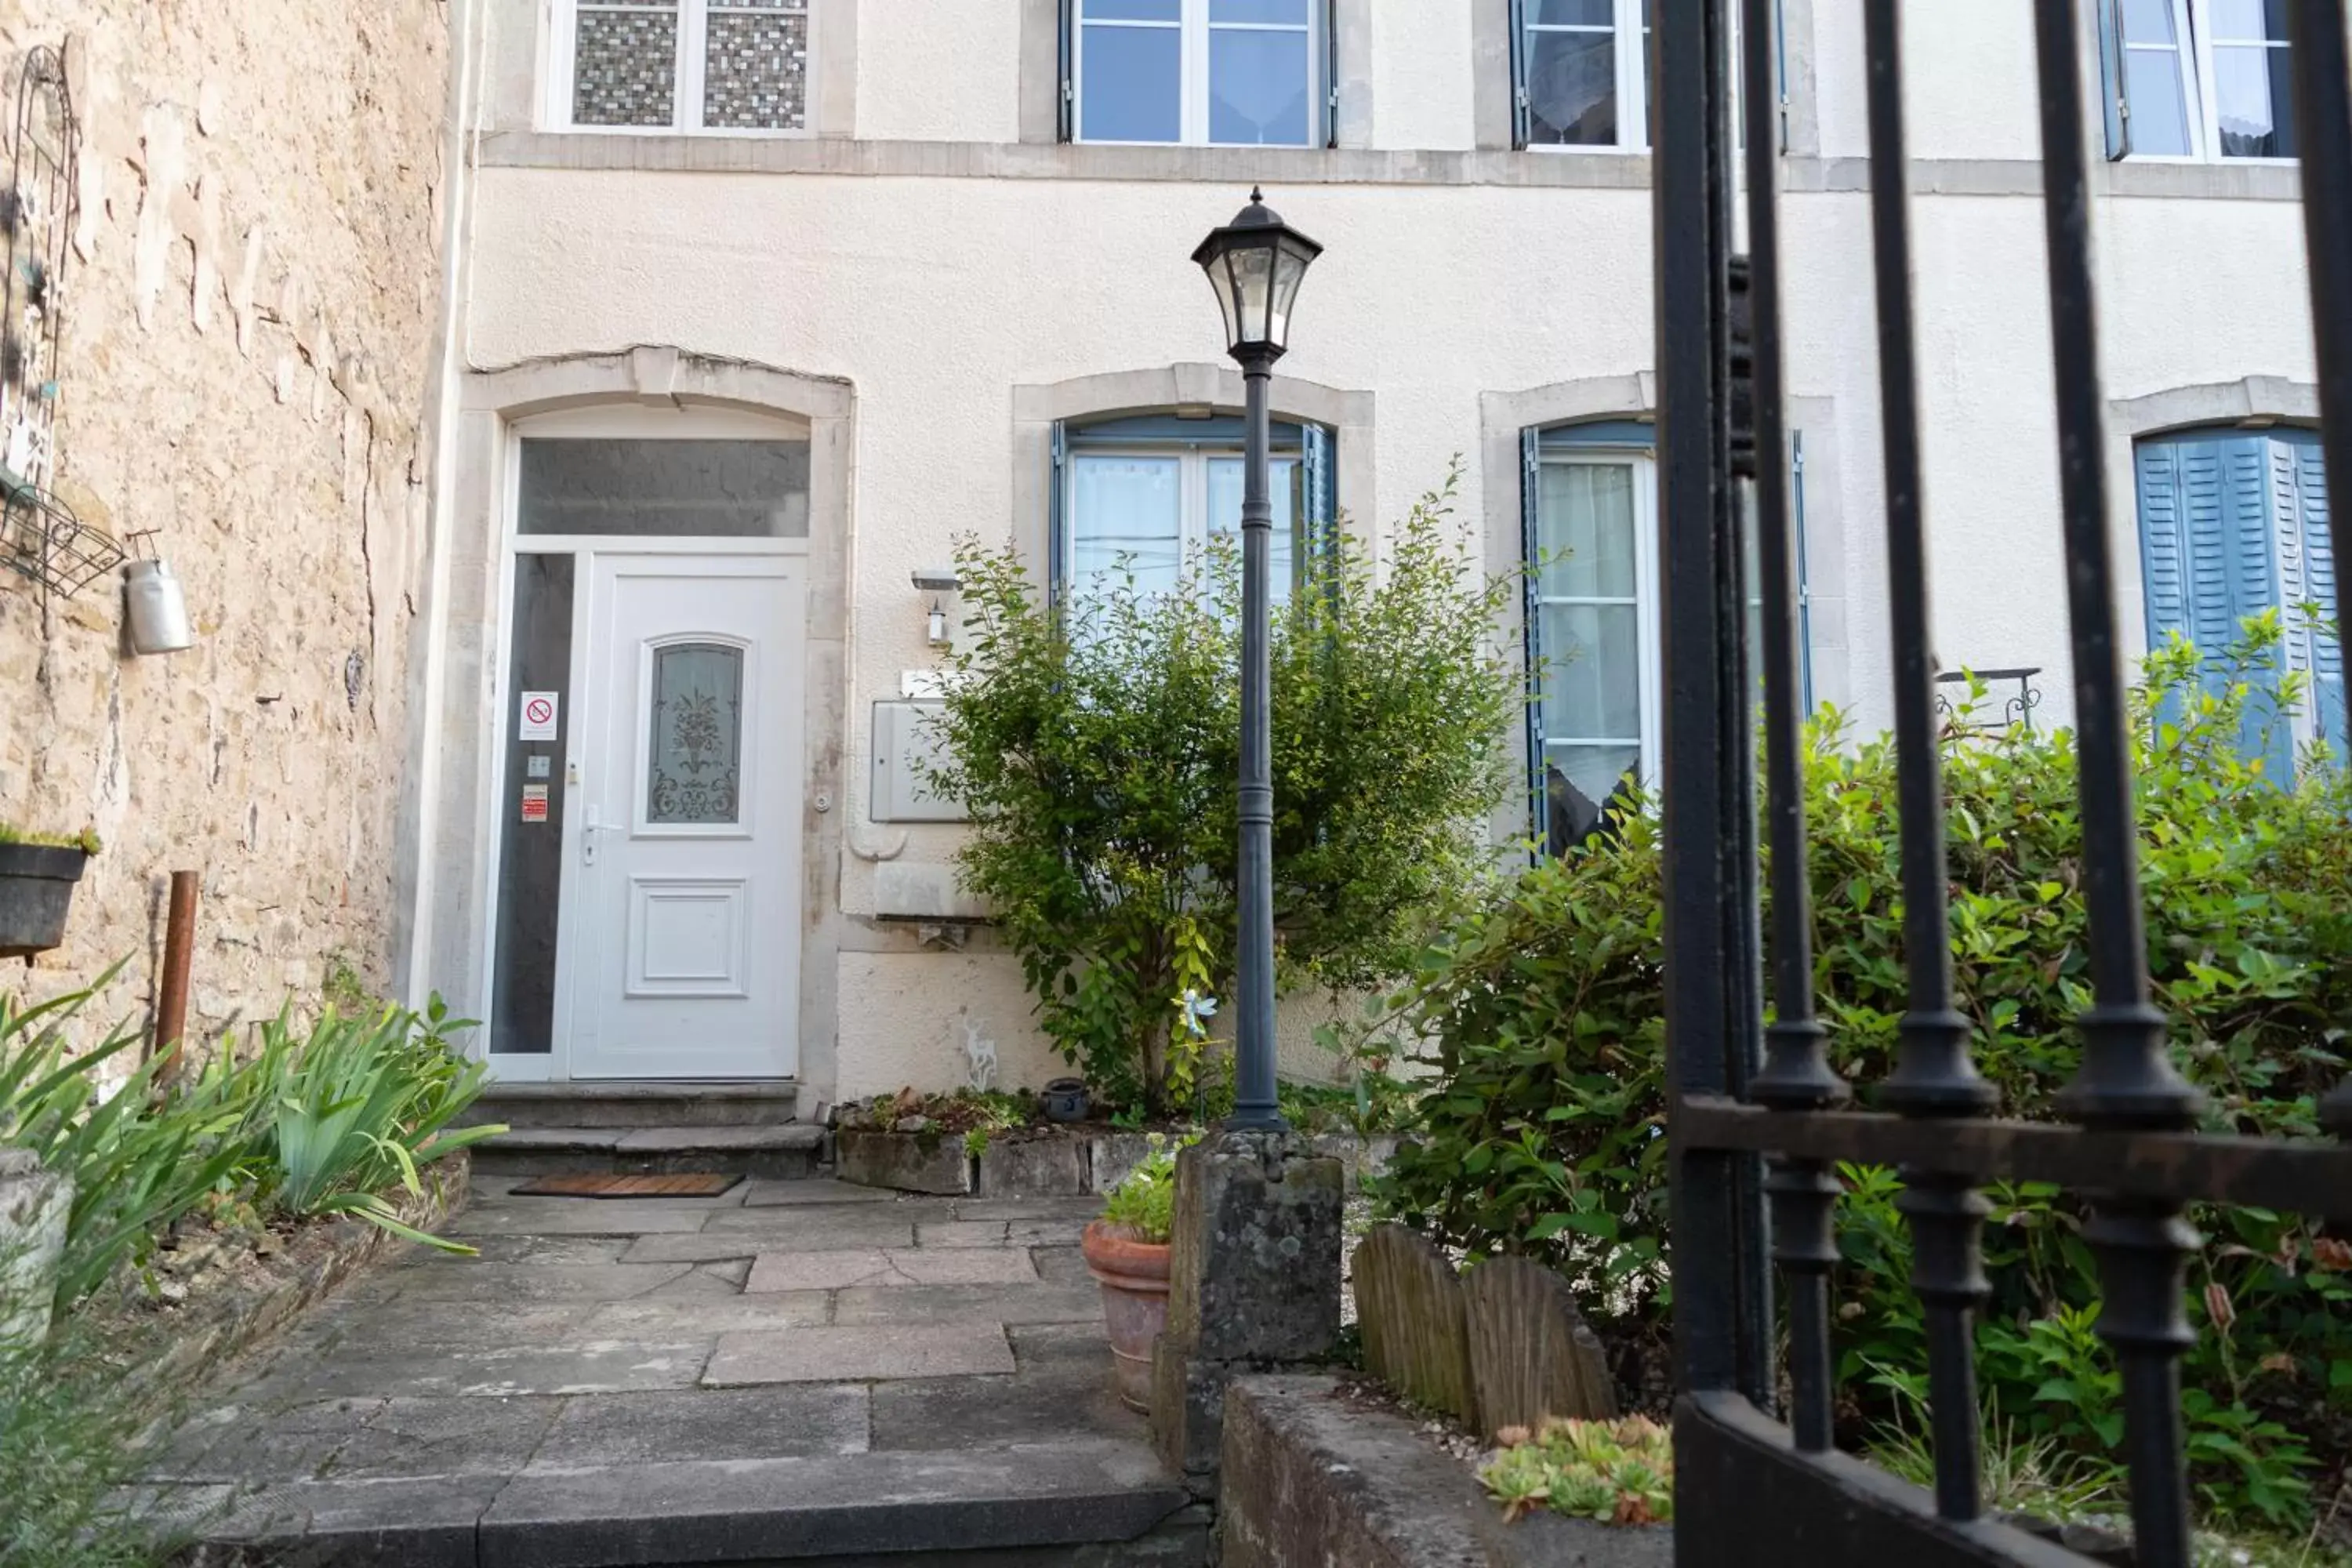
{"points": [[939, 582]]}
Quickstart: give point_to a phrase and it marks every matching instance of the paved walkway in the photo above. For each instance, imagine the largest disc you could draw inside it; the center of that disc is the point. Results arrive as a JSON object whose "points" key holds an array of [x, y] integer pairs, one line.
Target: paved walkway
{"points": [[798, 1371]]}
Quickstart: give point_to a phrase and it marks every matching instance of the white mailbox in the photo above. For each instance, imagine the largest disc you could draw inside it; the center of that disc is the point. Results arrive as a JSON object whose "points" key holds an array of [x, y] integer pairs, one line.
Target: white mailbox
{"points": [[905, 744]]}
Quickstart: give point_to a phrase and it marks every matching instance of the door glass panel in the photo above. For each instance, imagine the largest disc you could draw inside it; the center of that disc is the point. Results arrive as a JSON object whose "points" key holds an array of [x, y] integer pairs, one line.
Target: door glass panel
{"points": [[1126, 518], [1283, 488], [664, 489], [697, 735], [1584, 518], [530, 844]]}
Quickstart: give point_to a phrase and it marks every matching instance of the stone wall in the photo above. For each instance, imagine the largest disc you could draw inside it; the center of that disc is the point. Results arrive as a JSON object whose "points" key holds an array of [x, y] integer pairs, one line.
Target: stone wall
{"points": [[251, 305]]}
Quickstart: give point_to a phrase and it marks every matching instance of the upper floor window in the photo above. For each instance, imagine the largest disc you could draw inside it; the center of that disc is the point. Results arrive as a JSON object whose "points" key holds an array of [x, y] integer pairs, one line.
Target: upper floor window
{"points": [[2233, 523], [1218, 72], [2197, 78], [738, 67], [1583, 72], [1142, 497]]}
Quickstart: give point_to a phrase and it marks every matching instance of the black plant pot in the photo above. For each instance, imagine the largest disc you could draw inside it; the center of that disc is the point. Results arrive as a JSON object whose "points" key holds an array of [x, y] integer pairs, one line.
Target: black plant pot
{"points": [[37, 885]]}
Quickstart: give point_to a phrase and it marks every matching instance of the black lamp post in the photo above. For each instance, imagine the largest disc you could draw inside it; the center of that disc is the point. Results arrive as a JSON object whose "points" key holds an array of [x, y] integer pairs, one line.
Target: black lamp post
{"points": [[1256, 263]]}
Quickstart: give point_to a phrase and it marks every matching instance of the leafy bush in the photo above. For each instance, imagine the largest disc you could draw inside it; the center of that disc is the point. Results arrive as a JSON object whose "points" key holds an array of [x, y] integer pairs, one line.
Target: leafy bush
{"points": [[1543, 1133], [1097, 744], [1145, 1198], [1618, 1472]]}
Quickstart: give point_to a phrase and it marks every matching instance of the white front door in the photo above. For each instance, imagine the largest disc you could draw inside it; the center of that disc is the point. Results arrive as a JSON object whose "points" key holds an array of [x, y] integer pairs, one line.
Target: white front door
{"points": [[681, 917]]}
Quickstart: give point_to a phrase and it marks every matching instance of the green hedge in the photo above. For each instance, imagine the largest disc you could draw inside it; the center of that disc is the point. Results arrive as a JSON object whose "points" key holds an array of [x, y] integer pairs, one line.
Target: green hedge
{"points": [[1542, 1017]]}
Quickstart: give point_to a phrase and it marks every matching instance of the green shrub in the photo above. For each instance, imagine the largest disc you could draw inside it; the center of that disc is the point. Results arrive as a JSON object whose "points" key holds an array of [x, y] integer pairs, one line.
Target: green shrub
{"points": [[1542, 1014], [1096, 746], [1145, 1198]]}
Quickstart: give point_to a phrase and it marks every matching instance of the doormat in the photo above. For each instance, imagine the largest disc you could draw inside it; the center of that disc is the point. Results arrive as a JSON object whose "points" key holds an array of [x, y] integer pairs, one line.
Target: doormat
{"points": [[692, 1185]]}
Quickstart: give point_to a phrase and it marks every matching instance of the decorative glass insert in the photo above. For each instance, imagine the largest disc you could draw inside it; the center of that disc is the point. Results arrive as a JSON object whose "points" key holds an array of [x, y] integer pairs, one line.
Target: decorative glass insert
{"points": [[664, 489], [695, 768], [625, 63], [2250, 79], [755, 64]]}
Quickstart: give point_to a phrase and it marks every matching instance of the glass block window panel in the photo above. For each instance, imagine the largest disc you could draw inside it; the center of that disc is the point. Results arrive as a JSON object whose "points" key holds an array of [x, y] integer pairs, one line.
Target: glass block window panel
{"points": [[1286, 484], [664, 489], [1571, 51], [2252, 113], [624, 64], [2154, 84], [695, 748], [755, 64], [1588, 616], [1127, 521], [1261, 73]]}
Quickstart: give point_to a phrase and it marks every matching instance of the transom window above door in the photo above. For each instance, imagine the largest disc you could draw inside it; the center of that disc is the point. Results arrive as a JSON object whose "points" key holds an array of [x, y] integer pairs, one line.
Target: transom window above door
{"points": [[725, 67], [1215, 72], [2197, 78]]}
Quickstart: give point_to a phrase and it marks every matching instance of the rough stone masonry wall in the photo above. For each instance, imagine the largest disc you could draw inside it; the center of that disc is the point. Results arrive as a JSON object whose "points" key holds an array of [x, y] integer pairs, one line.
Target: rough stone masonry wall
{"points": [[250, 307]]}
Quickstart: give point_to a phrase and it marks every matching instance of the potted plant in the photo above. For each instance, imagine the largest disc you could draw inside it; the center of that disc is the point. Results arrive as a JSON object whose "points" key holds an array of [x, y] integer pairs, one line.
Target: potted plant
{"points": [[37, 873], [1127, 1251]]}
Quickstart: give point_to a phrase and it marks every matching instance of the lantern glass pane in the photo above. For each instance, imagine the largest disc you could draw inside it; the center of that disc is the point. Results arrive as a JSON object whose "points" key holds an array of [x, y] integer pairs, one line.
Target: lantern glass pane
{"points": [[1221, 280], [1289, 269], [1253, 287]]}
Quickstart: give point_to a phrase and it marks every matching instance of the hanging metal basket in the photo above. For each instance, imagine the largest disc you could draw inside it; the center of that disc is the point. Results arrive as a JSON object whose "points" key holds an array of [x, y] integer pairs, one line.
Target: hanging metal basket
{"points": [[41, 538]]}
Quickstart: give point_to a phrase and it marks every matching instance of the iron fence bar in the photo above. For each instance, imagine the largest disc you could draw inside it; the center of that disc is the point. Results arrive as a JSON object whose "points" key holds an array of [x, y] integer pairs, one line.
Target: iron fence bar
{"points": [[1933, 1075], [1796, 1074], [1721, 1286], [2309, 1177], [2322, 63], [2125, 1079]]}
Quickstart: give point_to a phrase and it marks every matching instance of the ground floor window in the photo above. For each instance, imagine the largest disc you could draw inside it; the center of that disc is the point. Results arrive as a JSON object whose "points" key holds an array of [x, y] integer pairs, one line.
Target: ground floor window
{"points": [[1589, 512], [2232, 523], [1141, 497]]}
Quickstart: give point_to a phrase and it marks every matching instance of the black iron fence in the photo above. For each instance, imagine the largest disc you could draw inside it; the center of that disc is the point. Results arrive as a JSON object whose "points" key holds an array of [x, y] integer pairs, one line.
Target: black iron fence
{"points": [[1758, 1116]]}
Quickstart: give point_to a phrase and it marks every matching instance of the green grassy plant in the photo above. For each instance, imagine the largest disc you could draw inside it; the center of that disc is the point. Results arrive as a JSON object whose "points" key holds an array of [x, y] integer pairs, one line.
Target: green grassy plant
{"points": [[1617, 1472]]}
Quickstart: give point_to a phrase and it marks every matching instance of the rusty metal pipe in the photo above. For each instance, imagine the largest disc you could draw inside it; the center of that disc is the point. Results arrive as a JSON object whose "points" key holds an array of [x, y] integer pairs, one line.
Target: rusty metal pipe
{"points": [[172, 997]]}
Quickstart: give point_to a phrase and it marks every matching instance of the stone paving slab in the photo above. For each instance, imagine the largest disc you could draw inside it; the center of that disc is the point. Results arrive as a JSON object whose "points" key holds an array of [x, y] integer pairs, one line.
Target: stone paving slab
{"points": [[1074, 1210], [862, 1353], [1062, 1383], [1007, 1304], [776, 1421], [760, 1193], [592, 1367], [669, 1318], [771, 1510], [397, 1324], [1061, 1266], [711, 1244], [420, 1522], [999, 1233], [834, 1270], [507, 1285], [579, 1217], [812, 1225]]}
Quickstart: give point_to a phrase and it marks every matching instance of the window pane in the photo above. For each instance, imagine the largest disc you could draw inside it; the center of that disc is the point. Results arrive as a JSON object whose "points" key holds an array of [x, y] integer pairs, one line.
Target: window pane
{"points": [[1572, 89], [1593, 678], [624, 66], [1257, 87], [2148, 22], [2236, 21], [1287, 12], [755, 64], [1584, 526], [1225, 515], [2159, 120], [1132, 80], [724, 489], [1133, 10], [1124, 516], [2250, 98], [697, 735], [530, 851], [1572, 13], [1594, 772]]}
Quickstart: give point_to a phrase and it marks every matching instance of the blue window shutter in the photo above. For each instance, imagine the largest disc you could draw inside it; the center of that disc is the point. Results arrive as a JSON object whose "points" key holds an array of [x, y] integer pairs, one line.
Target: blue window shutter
{"points": [[1321, 487], [1804, 573], [1518, 73], [2111, 78], [1530, 553], [1331, 73], [2309, 464], [2162, 550], [1057, 521], [1067, 107]]}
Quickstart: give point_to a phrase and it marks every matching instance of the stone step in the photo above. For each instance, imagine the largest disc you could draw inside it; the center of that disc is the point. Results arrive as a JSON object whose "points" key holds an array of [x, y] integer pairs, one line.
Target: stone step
{"points": [[638, 1102], [1068, 1505], [788, 1150]]}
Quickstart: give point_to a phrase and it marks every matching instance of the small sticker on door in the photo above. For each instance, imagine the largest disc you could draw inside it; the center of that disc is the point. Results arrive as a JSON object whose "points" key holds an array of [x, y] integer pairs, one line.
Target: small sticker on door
{"points": [[534, 802], [538, 715], [536, 767]]}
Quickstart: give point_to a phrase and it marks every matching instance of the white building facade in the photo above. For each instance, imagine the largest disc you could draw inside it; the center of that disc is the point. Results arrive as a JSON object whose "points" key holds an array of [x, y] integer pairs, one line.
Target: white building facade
{"points": [[757, 304]]}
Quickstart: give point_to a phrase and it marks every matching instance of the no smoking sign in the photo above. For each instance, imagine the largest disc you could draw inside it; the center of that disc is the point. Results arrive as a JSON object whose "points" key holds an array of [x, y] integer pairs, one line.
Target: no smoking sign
{"points": [[538, 709]]}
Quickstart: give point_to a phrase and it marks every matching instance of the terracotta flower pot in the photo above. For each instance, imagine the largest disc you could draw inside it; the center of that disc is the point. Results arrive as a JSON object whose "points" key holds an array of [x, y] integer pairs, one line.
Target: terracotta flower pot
{"points": [[1134, 1277]]}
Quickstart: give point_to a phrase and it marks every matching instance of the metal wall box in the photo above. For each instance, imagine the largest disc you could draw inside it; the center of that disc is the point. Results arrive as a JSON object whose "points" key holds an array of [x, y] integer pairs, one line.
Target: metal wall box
{"points": [[904, 745]]}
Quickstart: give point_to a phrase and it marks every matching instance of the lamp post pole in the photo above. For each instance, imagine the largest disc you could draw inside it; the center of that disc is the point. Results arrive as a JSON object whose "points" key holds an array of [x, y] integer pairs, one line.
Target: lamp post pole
{"points": [[1254, 1103]]}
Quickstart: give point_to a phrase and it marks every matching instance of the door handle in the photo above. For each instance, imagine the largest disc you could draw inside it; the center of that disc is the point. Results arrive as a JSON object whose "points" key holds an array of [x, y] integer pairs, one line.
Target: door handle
{"points": [[589, 829]]}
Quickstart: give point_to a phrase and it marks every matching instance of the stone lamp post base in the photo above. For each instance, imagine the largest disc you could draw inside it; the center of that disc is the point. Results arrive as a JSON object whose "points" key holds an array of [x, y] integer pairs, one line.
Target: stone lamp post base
{"points": [[1255, 1281]]}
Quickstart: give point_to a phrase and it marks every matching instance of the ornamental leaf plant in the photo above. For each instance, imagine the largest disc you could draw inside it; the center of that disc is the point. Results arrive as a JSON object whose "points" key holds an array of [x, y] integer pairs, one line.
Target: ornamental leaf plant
{"points": [[1095, 741]]}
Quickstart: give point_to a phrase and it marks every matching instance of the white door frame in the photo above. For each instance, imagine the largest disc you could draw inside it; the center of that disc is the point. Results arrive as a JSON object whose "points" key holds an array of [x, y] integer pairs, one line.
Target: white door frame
{"points": [[621, 423]]}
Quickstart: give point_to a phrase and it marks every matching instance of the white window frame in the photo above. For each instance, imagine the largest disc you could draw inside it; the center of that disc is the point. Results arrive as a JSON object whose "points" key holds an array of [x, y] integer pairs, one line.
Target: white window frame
{"points": [[1192, 69], [2200, 104], [1644, 463], [1191, 495], [562, 55]]}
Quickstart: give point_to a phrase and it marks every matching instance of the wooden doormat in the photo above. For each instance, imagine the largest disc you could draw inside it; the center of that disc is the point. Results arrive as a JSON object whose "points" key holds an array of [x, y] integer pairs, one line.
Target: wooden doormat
{"points": [[692, 1185]]}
